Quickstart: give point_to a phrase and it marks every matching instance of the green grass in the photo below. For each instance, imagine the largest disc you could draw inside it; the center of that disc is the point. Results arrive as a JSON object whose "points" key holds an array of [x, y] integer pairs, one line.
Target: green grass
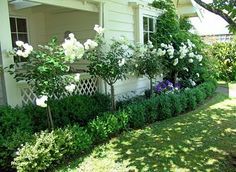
{"points": [[197, 141]]}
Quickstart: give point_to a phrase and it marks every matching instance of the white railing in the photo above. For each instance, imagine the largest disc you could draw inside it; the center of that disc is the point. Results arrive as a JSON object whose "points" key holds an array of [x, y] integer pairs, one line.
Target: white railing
{"points": [[86, 86]]}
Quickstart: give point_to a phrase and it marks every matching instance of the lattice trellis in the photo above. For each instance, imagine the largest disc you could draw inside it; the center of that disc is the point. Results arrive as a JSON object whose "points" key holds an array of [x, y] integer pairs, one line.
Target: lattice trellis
{"points": [[86, 86]]}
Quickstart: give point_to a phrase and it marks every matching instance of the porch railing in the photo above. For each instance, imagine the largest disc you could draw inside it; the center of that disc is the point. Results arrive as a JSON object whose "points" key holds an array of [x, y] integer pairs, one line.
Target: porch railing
{"points": [[87, 85]]}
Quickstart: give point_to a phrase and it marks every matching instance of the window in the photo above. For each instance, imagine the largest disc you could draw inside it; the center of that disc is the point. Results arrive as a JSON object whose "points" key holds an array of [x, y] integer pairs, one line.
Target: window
{"points": [[148, 28], [19, 31]]}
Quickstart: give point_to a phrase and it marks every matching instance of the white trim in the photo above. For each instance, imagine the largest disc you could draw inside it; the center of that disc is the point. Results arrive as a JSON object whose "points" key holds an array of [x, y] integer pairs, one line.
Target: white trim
{"points": [[141, 11], [73, 4]]}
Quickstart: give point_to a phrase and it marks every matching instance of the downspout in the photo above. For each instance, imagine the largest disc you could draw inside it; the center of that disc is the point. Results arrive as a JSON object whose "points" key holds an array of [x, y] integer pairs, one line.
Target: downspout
{"points": [[102, 23]]}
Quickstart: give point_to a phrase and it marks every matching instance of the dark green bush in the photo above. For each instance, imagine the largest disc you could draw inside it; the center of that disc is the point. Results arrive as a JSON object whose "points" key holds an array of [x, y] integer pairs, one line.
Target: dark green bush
{"points": [[79, 109], [164, 107], [15, 129], [199, 94], [51, 147], [136, 113], [151, 109], [176, 105], [105, 126], [191, 99]]}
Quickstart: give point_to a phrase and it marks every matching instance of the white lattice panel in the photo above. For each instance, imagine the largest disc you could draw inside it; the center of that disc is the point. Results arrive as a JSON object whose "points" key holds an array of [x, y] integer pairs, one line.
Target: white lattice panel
{"points": [[86, 86]]}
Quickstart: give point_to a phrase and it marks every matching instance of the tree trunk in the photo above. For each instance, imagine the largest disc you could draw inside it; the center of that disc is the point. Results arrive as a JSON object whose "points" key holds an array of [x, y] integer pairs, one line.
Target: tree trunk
{"points": [[175, 78], [50, 117], [113, 102], [151, 87]]}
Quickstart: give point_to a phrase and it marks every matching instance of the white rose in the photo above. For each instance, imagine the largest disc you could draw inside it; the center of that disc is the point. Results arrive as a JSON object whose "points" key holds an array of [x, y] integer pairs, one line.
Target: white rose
{"points": [[19, 43], [121, 62], [186, 69], [70, 88], [190, 60], [98, 29], [191, 55], [41, 101], [90, 44], [193, 83], [19, 52], [198, 75], [77, 77], [176, 61]]}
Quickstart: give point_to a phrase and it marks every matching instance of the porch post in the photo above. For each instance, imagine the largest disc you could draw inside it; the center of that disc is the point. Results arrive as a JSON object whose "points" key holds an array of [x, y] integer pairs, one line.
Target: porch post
{"points": [[12, 92]]}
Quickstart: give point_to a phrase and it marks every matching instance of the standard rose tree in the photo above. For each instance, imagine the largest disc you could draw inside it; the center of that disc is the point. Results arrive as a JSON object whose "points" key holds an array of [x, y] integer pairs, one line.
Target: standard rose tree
{"points": [[47, 68]]}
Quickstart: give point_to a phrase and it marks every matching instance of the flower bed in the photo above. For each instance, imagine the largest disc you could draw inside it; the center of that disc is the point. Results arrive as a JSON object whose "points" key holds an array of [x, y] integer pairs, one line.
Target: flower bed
{"points": [[40, 154]]}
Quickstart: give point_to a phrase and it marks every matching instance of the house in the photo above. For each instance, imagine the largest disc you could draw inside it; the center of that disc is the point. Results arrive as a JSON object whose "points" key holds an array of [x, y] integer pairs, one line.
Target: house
{"points": [[36, 21], [217, 38]]}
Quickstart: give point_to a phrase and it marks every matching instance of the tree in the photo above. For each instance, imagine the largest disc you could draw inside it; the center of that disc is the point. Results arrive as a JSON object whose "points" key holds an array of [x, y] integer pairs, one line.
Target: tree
{"points": [[224, 8], [109, 61], [147, 62]]}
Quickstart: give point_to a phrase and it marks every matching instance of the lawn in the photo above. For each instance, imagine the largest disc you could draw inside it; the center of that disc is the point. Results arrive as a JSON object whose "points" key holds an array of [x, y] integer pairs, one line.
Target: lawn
{"points": [[197, 141]]}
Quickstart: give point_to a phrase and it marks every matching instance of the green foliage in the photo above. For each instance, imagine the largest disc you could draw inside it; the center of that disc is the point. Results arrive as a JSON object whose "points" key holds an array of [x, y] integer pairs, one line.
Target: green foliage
{"points": [[176, 106], [51, 147], [109, 62], [107, 125], [136, 113], [15, 129], [44, 70], [164, 107], [173, 39], [191, 99], [146, 61], [167, 24], [225, 56], [48, 148], [77, 109]]}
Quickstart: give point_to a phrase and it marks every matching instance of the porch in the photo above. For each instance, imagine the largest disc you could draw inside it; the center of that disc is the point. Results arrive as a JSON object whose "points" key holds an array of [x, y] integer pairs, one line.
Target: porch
{"points": [[36, 22]]}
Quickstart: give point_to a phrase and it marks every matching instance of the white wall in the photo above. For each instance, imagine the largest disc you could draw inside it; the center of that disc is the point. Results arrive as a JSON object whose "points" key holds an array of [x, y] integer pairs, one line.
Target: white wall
{"points": [[119, 20], [81, 23]]}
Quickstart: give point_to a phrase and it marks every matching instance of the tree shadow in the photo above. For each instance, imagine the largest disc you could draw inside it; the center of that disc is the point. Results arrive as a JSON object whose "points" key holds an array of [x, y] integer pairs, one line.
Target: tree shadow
{"points": [[198, 142]]}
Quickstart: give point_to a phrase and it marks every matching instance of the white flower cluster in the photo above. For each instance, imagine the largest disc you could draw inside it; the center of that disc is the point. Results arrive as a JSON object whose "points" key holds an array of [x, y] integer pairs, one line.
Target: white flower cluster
{"points": [[90, 44], [41, 101], [73, 49], [99, 29], [169, 49], [23, 49]]}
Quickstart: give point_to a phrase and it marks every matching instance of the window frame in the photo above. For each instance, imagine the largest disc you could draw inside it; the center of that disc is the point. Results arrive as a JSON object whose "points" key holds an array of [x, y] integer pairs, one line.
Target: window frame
{"points": [[17, 33], [142, 11], [148, 31]]}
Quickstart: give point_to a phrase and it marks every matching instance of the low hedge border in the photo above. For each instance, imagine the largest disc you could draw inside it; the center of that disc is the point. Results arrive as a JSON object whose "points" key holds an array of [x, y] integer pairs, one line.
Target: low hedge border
{"points": [[48, 148]]}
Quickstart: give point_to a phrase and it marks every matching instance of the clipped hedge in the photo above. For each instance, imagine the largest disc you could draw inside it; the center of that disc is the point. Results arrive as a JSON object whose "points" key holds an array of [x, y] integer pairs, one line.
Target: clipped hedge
{"points": [[47, 148], [15, 129], [77, 109]]}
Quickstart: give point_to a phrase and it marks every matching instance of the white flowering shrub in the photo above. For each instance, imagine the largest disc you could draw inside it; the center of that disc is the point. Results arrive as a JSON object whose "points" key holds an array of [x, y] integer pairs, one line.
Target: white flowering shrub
{"points": [[47, 68], [108, 61], [182, 63], [147, 61]]}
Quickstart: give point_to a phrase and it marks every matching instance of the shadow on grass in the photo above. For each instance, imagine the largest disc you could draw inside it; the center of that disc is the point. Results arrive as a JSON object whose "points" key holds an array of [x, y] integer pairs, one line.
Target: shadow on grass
{"points": [[200, 141], [197, 141]]}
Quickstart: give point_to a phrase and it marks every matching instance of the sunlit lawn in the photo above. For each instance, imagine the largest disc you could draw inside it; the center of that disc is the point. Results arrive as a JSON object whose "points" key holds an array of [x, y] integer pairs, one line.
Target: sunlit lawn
{"points": [[197, 141]]}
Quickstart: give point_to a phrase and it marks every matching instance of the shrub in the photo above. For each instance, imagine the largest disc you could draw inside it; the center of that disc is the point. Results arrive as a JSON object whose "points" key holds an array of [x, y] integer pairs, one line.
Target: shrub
{"points": [[164, 107], [151, 109], [199, 94], [176, 107], [48, 147], [78, 109], [15, 129], [224, 54], [191, 100], [105, 126], [136, 113]]}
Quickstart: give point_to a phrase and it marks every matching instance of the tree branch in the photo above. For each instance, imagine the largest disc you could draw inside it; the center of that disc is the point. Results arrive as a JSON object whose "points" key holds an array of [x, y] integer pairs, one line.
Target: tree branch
{"points": [[219, 12]]}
